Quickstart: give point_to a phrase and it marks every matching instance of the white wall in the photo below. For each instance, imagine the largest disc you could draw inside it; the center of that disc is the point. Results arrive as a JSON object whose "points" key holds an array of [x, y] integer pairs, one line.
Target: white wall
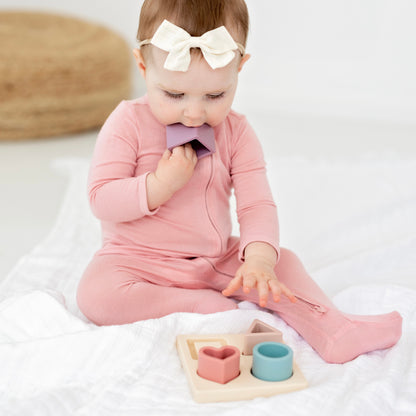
{"points": [[345, 57], [349, 58]]}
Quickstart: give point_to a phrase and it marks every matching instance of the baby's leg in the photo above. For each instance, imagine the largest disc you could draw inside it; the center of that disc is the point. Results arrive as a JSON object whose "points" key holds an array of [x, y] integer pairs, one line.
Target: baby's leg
{"points": [[111, 294], [336, 336]]}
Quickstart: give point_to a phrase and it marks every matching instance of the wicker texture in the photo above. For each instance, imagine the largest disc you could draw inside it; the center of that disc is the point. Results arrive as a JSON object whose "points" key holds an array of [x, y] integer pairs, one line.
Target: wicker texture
{"points": [[58, 74]]}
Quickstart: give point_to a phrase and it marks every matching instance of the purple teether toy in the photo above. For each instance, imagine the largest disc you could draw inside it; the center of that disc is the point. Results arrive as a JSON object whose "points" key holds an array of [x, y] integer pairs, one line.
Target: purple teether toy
{"points": [[201, 138]]}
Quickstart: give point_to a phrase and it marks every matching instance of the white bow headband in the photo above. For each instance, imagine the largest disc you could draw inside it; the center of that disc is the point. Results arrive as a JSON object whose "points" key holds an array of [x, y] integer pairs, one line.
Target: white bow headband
{"points": [[216, 45]]}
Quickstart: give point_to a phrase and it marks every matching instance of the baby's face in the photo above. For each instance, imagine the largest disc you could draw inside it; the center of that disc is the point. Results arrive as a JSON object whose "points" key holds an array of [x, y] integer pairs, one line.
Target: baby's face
{"points": [[197, 96]]}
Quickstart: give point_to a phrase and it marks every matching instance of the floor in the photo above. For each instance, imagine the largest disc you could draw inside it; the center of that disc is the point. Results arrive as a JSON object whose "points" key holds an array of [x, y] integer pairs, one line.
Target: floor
{"points": [[32, 190]]}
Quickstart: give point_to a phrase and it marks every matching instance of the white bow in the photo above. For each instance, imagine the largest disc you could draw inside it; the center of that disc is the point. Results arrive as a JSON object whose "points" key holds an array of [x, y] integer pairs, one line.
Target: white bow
{"points": [[216, 45]]}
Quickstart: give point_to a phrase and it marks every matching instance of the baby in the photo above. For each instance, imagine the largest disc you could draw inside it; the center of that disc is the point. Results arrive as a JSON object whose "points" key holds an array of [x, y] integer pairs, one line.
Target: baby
{"points": [[165, 215]]}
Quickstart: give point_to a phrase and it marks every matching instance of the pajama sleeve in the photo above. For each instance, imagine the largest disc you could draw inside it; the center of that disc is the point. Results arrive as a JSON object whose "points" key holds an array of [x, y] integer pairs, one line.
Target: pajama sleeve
{"points": [[256, 210], [115, 193]]}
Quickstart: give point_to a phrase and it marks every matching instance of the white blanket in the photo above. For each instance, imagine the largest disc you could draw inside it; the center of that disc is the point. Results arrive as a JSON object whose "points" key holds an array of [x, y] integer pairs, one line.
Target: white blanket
{"points": [[353, 224]]}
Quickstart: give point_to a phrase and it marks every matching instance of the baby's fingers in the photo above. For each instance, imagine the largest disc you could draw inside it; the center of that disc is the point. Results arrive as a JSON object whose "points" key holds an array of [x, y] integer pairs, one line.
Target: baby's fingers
{"points": [[275, 289], [167, 154], [249, 282], [233, 286], [263, 290], [278, 288], [190, 152], [288, 293]]}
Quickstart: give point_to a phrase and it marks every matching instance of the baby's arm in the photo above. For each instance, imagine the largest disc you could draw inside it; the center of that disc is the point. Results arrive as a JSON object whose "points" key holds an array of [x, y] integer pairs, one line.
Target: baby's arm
{"points": [[257, 271], [172, 173], [117, 192]]}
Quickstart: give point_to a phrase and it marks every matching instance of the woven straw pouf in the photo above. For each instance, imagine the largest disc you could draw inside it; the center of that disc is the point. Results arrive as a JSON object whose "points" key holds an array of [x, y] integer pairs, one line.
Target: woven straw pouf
{"points": [[58, 74]]}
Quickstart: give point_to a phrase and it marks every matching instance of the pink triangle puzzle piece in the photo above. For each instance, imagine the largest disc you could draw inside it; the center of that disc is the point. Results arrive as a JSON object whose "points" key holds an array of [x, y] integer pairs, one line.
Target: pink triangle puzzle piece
{"points": [[259, 332]]}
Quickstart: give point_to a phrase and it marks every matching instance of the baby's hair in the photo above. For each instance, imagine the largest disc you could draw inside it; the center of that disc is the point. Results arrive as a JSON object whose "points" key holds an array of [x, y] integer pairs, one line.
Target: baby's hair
{"points": [[195, 16]]}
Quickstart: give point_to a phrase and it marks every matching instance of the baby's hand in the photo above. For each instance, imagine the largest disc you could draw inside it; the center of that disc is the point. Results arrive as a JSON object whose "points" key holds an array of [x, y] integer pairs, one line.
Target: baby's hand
{"points": [[176, 168], [258, 273]]}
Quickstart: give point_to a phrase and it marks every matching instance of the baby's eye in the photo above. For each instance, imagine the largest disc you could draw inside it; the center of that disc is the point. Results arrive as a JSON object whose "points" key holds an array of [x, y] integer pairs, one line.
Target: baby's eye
{"points": [[215, 96], [175, 96]]}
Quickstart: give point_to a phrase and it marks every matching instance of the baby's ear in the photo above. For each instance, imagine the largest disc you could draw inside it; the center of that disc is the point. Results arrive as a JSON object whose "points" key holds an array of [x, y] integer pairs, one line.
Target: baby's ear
{"points": [[244, 59], [140, 62]]}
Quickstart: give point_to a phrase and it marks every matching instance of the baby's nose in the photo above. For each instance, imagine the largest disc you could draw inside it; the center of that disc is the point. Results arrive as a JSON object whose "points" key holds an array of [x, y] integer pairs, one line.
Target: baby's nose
{"points": [[194, 115]]}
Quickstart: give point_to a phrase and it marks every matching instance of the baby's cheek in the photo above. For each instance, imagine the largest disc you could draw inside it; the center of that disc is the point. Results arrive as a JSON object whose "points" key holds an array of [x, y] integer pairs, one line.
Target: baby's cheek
{"points": [[168, 112], [165, 118], [219, 115], [165, 114]]}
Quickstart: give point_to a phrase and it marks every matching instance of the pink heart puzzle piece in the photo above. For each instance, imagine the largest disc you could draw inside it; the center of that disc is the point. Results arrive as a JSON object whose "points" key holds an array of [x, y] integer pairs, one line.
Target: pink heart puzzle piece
{"points": [[219, 364]]}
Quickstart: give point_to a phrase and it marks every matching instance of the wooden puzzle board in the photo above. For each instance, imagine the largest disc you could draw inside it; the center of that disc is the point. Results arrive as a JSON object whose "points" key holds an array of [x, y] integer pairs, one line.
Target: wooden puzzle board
{"points": [[243, 387]]}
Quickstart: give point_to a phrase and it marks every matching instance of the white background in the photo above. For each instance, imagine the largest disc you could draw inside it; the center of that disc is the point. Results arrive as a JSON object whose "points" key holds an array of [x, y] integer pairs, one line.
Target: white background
{"points": [[344, 58]]}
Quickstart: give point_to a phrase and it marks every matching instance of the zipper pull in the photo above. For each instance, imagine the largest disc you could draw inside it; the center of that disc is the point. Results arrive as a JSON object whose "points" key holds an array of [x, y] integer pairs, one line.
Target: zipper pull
{"points": [[313, 306]]}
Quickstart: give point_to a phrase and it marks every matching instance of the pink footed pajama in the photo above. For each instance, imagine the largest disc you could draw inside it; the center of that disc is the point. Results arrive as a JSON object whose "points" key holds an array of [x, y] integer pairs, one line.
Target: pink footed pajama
{"points": [[179, 257]]}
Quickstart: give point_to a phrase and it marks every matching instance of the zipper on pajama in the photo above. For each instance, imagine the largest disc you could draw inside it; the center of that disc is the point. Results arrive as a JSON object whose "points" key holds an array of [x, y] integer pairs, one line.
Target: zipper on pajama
{"points": [[315, 307], [206, 200]]}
